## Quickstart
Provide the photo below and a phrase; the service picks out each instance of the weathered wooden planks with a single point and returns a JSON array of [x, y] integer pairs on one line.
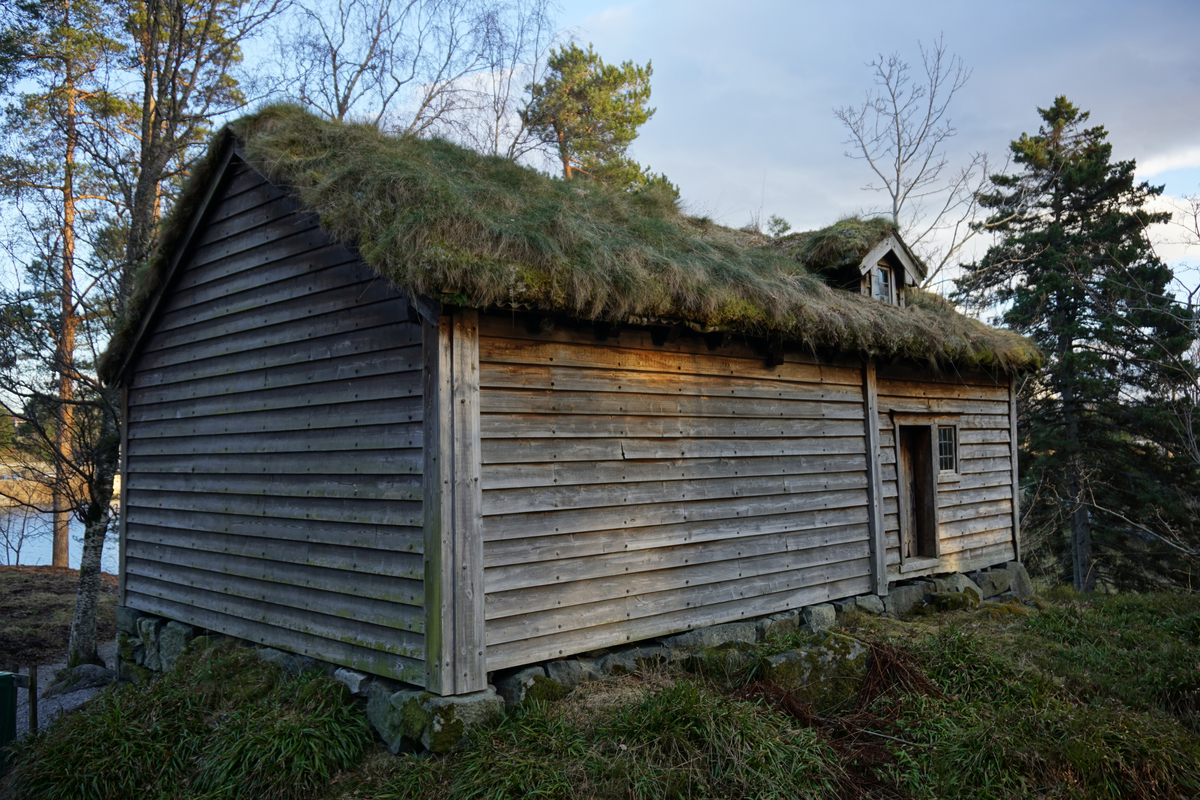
[[573, 473], [454, 539], [972, 501], [879, 581], [627, 482], [273, 484], [370, 660]]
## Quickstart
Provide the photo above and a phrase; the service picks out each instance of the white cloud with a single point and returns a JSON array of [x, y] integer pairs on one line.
[[1179, 159]]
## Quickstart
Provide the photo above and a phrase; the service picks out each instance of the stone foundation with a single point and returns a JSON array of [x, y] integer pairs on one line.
[[409, 718]]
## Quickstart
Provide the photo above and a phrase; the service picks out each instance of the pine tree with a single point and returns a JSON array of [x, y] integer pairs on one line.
[[1073, 269], [590, 112]]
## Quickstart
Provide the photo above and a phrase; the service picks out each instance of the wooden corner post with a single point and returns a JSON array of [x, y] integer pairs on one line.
[[878, 536], [454, 633], [1016, 478]]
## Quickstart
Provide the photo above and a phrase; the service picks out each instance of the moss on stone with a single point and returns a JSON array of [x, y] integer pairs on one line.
[[1001, 611], [730, 664], [544, 690], [444, 730], [414, 718], [132, 673], [125, 648], [827, 673], [953, 601]]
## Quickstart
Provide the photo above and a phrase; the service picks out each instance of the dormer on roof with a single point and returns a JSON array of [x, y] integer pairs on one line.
[[888, 268]]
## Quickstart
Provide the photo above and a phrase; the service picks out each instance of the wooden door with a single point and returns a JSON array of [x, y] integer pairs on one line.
[[918, 498]]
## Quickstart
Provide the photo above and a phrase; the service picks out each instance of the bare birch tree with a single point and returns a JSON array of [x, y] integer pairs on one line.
[[901, 130], [396, 64], [489, 118]]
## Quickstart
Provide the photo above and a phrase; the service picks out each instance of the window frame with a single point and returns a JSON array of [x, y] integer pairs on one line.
[[948, 475], [878, 270]]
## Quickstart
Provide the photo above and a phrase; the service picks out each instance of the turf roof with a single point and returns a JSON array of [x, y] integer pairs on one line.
[[484, 232]]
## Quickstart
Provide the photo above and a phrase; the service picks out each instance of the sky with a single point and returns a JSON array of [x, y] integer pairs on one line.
[[745, 91]]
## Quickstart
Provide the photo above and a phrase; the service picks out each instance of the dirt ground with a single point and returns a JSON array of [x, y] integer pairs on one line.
[[36, 605]]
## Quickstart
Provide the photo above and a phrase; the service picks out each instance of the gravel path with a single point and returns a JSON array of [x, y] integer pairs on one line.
[[51, 707]]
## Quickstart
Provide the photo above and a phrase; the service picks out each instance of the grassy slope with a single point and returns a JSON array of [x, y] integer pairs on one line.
[[36, 606], [1073, 699]]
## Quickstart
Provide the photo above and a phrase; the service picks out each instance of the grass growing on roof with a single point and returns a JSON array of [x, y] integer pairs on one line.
[[450, 222]]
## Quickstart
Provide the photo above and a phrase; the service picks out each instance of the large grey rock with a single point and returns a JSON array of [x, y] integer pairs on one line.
[[952, 601], [871, 604], [819, 617], [1018, 580], [409, 718], [844, 606], [777, 625], [513, 686], [902, 599], [293, 663], [631, 659], [357, 682], [173, 639], [570, 672], [148, 631], [993, 582], [127, 619], [85, 676], [728, 663], [129, 649], [713, 635], [957, 582], [827, 672]]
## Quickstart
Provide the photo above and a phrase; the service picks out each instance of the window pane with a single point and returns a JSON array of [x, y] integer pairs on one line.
[[946, 449], [883, 284]]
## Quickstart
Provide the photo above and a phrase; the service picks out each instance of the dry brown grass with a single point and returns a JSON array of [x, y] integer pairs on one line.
[[36, 604]]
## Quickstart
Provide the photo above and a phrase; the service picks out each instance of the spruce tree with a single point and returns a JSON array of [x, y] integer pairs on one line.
[[1073, 268], [590, 112]]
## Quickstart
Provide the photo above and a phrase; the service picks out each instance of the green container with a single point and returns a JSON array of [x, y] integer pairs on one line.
[[8, 716]]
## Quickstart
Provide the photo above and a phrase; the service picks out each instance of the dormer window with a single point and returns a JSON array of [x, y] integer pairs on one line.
[[884, 284]]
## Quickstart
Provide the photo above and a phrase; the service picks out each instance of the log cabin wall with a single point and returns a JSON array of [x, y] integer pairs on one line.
[[634, 489], [274, 483], [974, 502]]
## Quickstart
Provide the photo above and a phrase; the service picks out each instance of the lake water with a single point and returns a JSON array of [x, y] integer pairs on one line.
[[37, 546]]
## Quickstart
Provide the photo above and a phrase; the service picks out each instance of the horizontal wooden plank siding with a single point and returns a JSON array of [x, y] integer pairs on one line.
[[634, 489], [274, 486], [974, 507]]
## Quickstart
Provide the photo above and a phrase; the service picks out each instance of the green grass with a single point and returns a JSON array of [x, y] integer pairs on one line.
[[1077, 699], [222, 725]]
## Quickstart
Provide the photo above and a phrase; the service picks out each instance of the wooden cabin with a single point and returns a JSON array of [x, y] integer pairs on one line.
[[320, 459]]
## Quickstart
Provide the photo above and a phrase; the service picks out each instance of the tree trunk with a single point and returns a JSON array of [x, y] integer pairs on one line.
[[82, 647], [143, 214], [64, 361], [566, 157], [1083, 575]]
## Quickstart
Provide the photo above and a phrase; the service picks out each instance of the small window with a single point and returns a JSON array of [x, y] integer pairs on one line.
[[883, 284], [947, 451]]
